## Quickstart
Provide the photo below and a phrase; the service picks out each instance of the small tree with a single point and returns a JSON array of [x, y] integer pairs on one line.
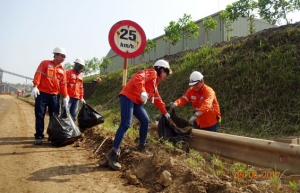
[[105, 62], [92, 66], [189, 28], [172, 34], [209, 24], [243, 8], [150, 45], [68, 66], [274, 10], [225, 17]]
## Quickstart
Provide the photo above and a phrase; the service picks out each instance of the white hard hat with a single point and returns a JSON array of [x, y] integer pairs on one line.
[[163, 63], [59, 50], [195, 77], [79, 61]]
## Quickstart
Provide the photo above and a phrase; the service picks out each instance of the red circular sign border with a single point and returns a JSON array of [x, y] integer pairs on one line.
[[114, 47]]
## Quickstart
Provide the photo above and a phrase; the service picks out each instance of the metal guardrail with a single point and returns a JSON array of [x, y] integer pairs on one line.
[[282, 156]]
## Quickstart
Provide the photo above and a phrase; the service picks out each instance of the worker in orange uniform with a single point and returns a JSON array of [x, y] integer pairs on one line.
[[49, 80], [18, 93], [204, 102], [141, 87], [75, 87], [97, 80], [23, 92]]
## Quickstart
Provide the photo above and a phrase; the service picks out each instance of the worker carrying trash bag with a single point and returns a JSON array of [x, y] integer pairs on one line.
[[49, 79], [75, 87], [204, 102]]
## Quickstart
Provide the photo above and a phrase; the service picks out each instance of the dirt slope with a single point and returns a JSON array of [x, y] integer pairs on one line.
[[25, 167]]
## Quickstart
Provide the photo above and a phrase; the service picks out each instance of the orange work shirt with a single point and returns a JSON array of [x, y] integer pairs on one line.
[[205, 101], [51, 78], [74, 84], [144, 81]]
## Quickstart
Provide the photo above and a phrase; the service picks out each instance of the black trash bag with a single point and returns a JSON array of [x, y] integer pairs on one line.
[[62, 131], [88, 117], [175, 129]]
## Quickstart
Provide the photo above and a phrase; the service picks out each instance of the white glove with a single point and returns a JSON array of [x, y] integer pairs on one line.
[[144, 97], [83, 101], [173, 105], [193, 118], [167, 115], [66, 101], [35, 91]]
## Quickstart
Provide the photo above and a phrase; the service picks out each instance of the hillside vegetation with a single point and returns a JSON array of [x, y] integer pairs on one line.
[[256, 79]]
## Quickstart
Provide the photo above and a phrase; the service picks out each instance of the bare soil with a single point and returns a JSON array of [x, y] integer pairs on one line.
[[25, 167]]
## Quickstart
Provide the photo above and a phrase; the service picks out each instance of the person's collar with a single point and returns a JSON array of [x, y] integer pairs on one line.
[[56, 63]]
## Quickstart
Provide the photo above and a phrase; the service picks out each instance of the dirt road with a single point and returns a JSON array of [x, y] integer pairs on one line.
[[25, 167]]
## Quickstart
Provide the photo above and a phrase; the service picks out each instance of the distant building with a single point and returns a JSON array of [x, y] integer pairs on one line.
[[240, 28], [7, 88]]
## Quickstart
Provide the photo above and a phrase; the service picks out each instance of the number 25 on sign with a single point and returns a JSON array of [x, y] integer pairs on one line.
[[127, 39]]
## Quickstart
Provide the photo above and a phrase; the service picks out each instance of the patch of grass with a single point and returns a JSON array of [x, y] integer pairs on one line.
[[218, 167], [169, 145], [195, 159], [275, 182], [293, 186], [238, 167], [238, 171], [151, 139], [132, 134]]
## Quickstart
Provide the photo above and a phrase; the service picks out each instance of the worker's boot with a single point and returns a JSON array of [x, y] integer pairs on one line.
[[113, 160], [38, 141], [143, 149]]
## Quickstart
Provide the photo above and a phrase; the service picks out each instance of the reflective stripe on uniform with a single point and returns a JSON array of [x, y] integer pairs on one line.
[[46, 74], [185, 98]]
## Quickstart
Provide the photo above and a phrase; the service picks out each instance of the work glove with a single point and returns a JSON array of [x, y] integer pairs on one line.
[[144, 97], [66, 101], [82, 100], [173, 105], [168, 116], [193, 118], [35, 91]]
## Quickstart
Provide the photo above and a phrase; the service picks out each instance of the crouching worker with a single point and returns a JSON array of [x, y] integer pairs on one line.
[[141, 87], [204, 102]]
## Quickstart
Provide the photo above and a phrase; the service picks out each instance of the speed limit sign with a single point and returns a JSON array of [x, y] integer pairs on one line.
[[127, 39]]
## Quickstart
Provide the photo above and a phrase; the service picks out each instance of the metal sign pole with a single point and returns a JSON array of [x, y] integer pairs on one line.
[[125, 72]]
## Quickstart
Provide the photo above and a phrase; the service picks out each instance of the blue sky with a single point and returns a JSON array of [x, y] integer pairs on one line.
[[31, 29]]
